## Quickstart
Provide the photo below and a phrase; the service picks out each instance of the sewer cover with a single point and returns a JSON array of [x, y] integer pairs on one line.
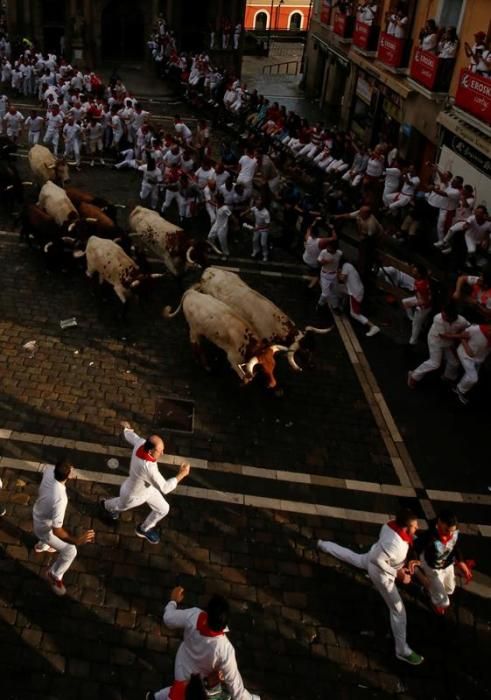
[[174, 414]]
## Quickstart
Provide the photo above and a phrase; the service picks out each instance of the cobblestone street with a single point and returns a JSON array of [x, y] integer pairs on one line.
[[270, 475]]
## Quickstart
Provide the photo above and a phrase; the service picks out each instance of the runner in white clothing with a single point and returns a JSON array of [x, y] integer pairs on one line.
[[329, 259], [205, 647], [33, 124], [476, 229], [386, 564], [48, 515], [54, 124], [72, 134], [352, 286], [219, 227], [13, 122], [145, 484]]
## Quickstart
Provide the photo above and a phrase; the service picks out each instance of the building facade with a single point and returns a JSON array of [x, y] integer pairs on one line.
[[278, 15], [93, 31], [383, 81]]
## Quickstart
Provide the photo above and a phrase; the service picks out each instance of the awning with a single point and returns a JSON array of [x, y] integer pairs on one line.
[[457, 126], [398, 85]]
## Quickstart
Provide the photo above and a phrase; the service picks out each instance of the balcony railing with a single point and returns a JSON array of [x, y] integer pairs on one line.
[[343, 25], [430, 71], [365, 36], [474, 95], [392, 51]]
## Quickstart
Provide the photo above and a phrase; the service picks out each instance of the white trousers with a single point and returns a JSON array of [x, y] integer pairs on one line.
[[442, 583], [162, 694], [72, 147], [328, 295], [260, 240], [33, 137], [384, 584], [396, 277], [220, 233], [471, 371], [151, 191], [66, 552], [434, 362], [417, 315], [129, 498], [52, 136], [397, 200]]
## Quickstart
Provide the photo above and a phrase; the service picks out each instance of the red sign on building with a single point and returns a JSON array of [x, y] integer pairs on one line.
[[340, 23], [390, 50], [361, 36], [474, 95], [424, 68], [325, 15]]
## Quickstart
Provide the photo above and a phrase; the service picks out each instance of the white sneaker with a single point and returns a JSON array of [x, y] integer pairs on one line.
[[373, 331], [439, 244], [91, 163], [56, 584], [40, 547], [103, 162], [446, 251]]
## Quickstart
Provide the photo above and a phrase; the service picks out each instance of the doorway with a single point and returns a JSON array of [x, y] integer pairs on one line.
[[122, 31]]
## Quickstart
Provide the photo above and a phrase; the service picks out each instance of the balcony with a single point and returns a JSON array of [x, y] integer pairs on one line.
[[393, 53], [365, 38], [343, 26], [474, 98], [430, 74]]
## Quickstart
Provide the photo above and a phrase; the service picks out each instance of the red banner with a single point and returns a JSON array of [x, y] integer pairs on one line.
[[424, 68], [390, 50], [474, 95], [325, 15], [361, 37], [340, 21]]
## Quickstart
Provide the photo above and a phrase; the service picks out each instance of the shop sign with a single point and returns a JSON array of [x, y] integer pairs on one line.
[[424, 68], [390, 50], [474, 95], [361, 37], [479, 160], [325, 15]]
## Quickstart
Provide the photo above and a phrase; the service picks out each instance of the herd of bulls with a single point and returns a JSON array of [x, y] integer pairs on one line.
[[68, 224]]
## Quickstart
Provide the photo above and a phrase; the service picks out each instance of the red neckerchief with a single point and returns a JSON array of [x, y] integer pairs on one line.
[[485, 329], [203, 629], [143, 454], [442, 537], [401, 532], [178, 690]]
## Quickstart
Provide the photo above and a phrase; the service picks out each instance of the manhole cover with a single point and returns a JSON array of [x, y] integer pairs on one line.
[[174, 414]]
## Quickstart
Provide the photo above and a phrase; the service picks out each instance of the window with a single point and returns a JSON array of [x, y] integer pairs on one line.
[[451, 13], [261, 21], [295, 21]]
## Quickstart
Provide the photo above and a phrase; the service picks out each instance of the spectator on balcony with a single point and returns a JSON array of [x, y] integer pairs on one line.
[[448, 44], [397, 23], [428, 36], [480, 55], [367, 12]]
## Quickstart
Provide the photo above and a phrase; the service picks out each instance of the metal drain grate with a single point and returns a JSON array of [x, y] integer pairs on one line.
[[174, 414]]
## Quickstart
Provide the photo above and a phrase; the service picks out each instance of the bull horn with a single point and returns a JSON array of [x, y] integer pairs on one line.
[[9, 187], [68, 239], [156, 275], [312, 329], [278, 348], [189, 259], [168, 313], [47, 246], [120, 206], [292, 362], [214, 248], [27, 183], [51, 167], [90, 219], [78, 253], [241, 370], [250, 365], [72, 226], [135, 283]]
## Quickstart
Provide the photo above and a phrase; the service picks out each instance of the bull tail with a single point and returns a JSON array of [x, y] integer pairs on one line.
[[322, 331], [168, 313]]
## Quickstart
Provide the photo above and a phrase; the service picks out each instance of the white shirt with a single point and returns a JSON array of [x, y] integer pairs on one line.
[[71, 132], [152, 177], [389, 553], [54, 121], [222, 216], [50, 506], [392, 180], [354, 285], [202, 654], [375, 167], [478, 343], [477, 231], [248, 167], [329, 261], [138, 119], [440, 326], [228, 195], [183, 131], [410, 186], [144, 473], [429, 42], [367, 13], [34, 124], [14, 121], [202, 176], [262, 218], [94, 133]]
